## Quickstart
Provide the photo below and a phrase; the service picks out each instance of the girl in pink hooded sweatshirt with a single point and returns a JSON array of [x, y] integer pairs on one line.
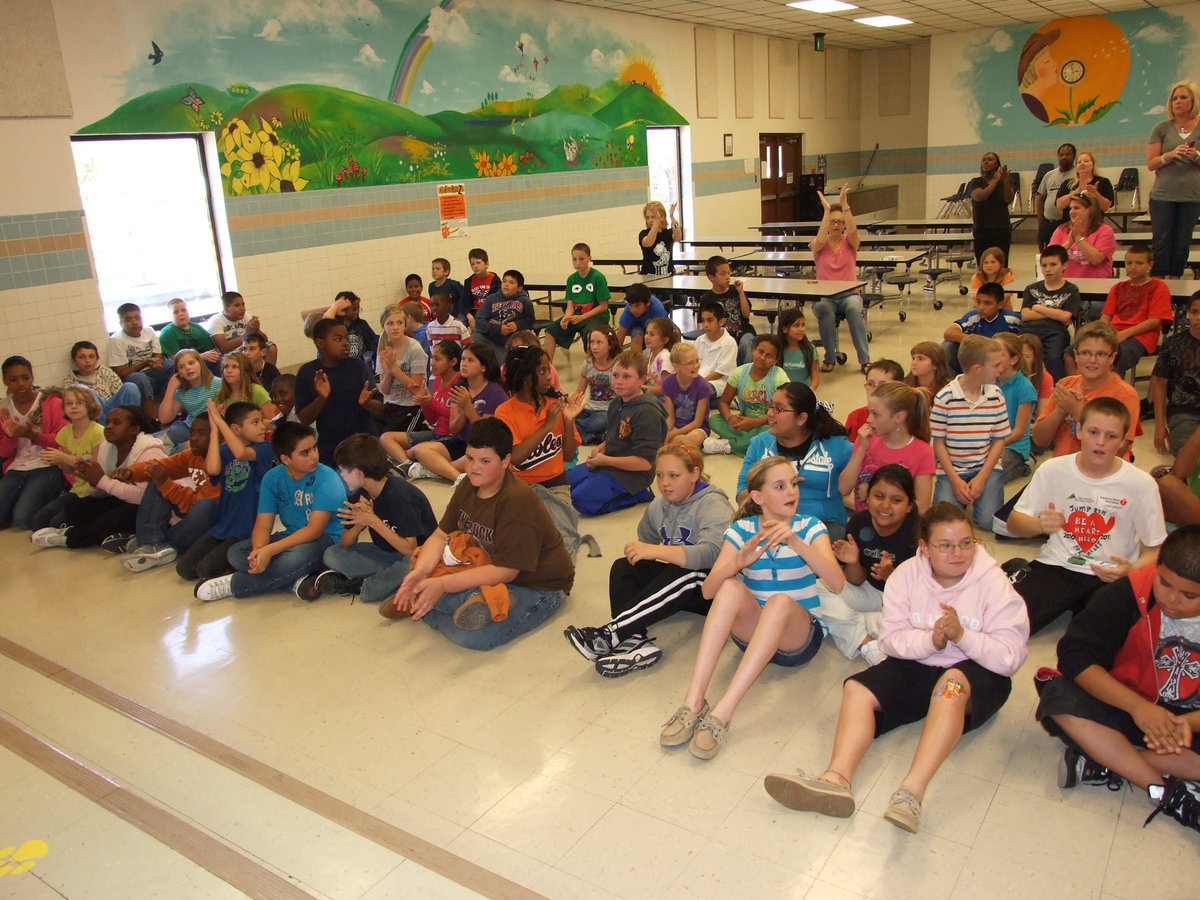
[[954, 631]]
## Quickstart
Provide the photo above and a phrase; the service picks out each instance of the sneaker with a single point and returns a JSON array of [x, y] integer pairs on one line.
[[592, 643], [459, 479], [1078, 768], [904, 810], [872, 653], [637, 652], [681, 726], [401, 468], [214, 589], [50, 537], [1180, 800], [149, 556], [708, 737], [474, 614], [416, 470], [119, 543], [808, 794], [714, 446]]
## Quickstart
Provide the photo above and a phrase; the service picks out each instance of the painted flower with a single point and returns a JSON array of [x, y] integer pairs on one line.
[[232, 134], [289, 177], [269, 141], [482, 164], [505, 165], [258, 162]]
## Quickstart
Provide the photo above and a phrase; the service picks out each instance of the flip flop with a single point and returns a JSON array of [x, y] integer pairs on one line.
[[826, 367]]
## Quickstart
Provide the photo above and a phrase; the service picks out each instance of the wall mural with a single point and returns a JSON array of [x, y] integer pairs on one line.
[[325, 94], [1077, 73]]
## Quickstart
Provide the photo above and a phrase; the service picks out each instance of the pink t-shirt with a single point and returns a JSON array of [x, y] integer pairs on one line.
[[1077, 265], [916, 456], [836, 265]]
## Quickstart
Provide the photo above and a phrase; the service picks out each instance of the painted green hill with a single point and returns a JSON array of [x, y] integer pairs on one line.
[[638, 104], [162, 110], [576, 98]]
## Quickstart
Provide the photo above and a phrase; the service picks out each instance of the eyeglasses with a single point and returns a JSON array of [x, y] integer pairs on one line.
[[1094, 354], [948, 546], [778, 410]]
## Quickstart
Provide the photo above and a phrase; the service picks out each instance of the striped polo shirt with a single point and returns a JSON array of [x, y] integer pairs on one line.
[[968, 427], [780, 571]]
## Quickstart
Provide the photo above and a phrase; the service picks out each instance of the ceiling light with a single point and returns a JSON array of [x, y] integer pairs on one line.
[[883, 21], [822, 6]]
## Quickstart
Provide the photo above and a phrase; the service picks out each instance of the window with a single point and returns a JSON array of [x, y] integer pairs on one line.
[[156, 230]]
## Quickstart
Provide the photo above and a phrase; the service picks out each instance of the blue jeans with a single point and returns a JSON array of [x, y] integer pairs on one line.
[[592, 425], [151, 383], [950, 348], [595, 492], [129, 394], [849, 307], [154, 518], [1172, 224], [987, 503], [178, 432], [283, 570], [501, 352], [381, 570], [746, 347], [527, 609], [24, 493]]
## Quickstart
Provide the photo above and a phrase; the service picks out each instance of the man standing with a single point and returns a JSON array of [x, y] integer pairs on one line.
[[1049, 216]]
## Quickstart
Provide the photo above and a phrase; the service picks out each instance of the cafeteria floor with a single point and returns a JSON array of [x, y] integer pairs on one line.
[[152, 745]]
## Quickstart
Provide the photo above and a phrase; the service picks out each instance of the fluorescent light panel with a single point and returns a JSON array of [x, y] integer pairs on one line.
[[822, 6], [883, 21]]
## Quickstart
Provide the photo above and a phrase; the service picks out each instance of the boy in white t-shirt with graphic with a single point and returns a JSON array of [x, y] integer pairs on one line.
[[1102, 515]]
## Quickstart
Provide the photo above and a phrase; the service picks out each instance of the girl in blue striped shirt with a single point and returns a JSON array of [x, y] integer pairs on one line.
[[764, 591]]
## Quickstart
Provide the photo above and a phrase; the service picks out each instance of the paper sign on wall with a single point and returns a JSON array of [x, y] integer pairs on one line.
[[452, 209]]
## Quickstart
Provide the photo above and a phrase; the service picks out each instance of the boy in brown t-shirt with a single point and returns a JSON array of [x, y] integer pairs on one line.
[[514, 528]]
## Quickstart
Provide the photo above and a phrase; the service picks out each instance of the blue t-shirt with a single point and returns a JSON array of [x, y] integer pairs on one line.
[[654, 310], [1018, 390], [294, 499], [819, 466], [1006, 320], [194, 400], [782, 571], [240, 484]]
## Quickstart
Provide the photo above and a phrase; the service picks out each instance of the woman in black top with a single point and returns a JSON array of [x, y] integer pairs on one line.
[[1086, 181], [991, 193]]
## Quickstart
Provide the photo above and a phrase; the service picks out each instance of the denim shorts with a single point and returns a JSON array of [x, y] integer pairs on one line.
[[799, 656]]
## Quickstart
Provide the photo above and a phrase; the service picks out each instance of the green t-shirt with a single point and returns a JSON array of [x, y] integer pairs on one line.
[[585, 293], [173, 339], [793, 365], [753, 396]]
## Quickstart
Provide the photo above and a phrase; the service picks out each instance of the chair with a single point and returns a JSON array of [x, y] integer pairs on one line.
[[1014, 178], [953, 203], [1037, 181], [1129, 181]]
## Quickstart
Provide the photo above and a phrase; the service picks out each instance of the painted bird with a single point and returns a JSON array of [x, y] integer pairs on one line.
[[157, 55]]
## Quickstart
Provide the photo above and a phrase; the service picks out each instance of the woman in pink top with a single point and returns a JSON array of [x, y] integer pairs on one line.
[[835, 254], [1090, 243]]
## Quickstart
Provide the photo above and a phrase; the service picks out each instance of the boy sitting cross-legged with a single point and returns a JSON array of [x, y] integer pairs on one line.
[[1126, 705], [620, 470], [396, 515], [1102, 516], [513, 528], [305, 495]]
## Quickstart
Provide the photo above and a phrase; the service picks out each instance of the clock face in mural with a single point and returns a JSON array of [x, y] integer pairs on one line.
[[1072, 71]]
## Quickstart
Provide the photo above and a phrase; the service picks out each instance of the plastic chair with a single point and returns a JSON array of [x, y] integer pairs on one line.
[[953, 202], [1129, 181], [1014, 178]]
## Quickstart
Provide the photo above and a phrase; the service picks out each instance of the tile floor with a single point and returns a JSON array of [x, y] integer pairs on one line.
[[522, 761]]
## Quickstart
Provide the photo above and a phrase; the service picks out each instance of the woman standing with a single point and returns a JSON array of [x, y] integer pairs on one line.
[[991, 193], [1086, 181], [1175, 198]]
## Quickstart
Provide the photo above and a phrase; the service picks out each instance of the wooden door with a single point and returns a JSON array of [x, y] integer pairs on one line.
[[780, 160]]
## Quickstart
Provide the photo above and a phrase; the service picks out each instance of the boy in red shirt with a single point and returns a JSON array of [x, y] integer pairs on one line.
[[1137, 307]]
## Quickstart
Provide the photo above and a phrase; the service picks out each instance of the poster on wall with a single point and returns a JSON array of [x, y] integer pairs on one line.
[[452, 209]]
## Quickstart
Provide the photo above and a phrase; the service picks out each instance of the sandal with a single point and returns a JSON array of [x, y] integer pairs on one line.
[[827, 367]]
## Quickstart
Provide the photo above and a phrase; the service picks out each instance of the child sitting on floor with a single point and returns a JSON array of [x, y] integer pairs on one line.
[[78, 439], [752, 385]]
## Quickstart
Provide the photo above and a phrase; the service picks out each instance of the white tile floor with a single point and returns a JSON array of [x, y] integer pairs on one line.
[[523, 760]]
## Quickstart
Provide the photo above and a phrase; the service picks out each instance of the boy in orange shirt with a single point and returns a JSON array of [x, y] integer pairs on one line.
[[1137, 307]]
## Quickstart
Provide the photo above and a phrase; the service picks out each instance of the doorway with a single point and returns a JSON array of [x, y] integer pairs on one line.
[[664, 160], [780, 156]]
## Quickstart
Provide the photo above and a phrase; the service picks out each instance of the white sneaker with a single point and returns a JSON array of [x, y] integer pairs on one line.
[[148, 556], [871, 652], [416, 470], [50, 537], [459, 479], [716, 445], [215, 588]]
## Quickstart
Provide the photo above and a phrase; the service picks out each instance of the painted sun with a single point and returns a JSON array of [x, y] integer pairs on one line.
[[640, 70]]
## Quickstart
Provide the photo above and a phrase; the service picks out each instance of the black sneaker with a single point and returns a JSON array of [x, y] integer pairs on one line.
[[592, 643], [637, 652], [331, 582], [1180, 800], [1015, 568], [121, 542], [306, 588], [1078, 768]]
